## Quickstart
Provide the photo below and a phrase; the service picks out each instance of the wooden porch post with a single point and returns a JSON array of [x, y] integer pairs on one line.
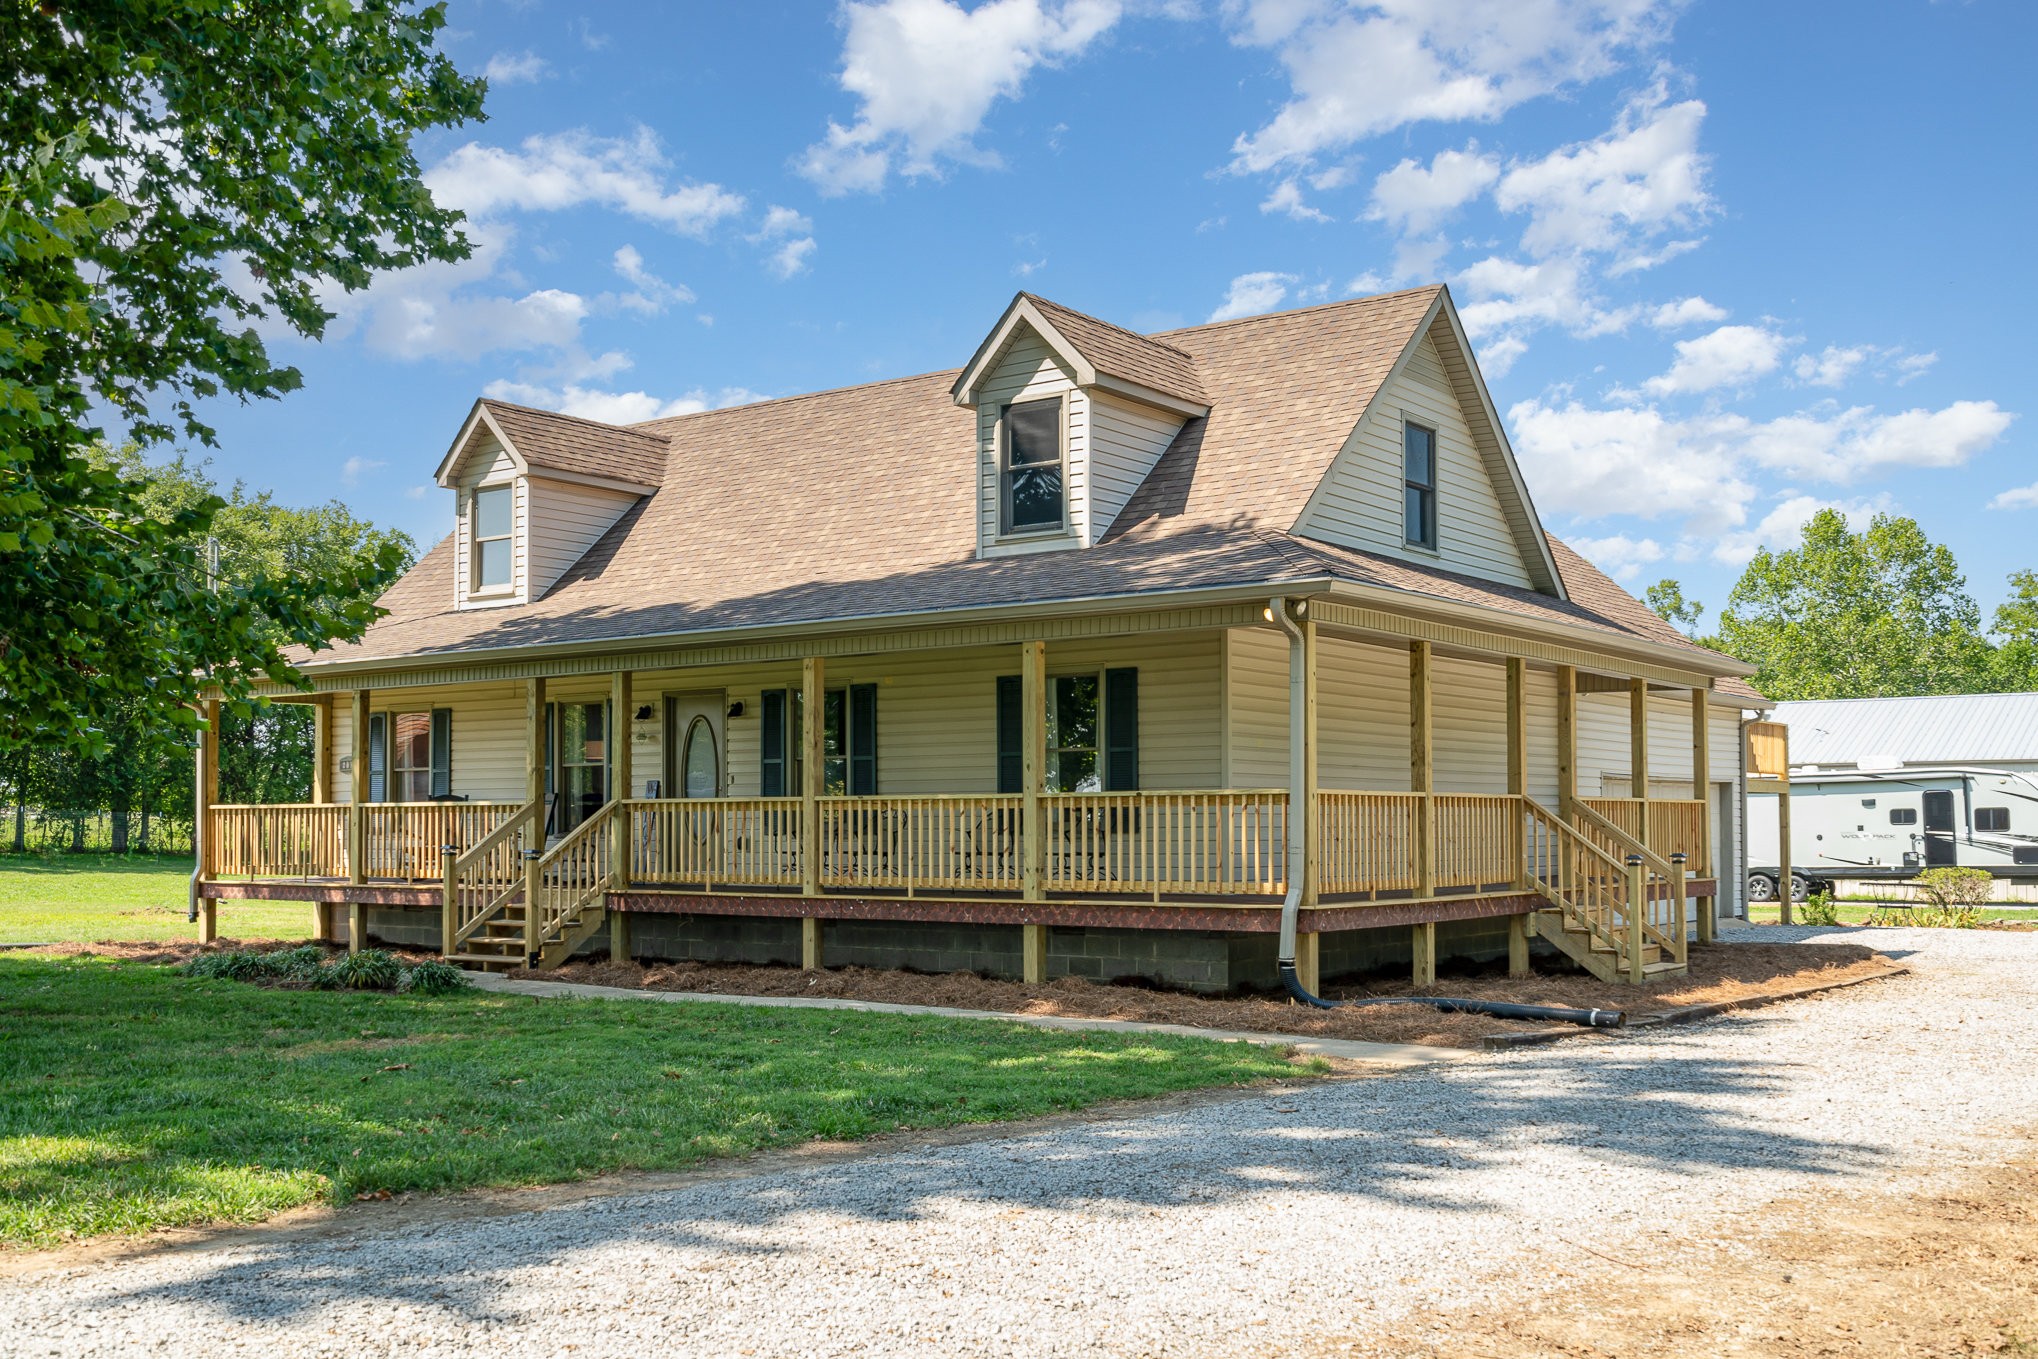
[[1701, 788], [1517, 787], [534, 747], [357, 792], [207, 833], [1638, 749], [1567, 739], [1422, 766], [1422, 779], [322, 748], [813, 770], [622, 709], [1033, 819]]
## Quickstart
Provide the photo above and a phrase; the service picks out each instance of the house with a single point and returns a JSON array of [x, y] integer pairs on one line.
[[1106, 654]]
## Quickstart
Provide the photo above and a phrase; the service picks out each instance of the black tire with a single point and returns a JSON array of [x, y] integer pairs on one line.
[[1761, 887], [1801, 887]]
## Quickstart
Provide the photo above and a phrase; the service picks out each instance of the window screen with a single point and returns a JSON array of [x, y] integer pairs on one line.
[[1033, 477], [1991, 818]]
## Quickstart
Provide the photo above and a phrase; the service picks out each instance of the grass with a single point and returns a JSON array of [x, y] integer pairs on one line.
[[1857, 912], [133, 1098], [82, 898]]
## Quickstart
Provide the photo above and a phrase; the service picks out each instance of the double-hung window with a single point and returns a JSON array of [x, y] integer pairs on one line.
[[1092, 734], [491, 529], [848, 742], [1419, 485], [410, 756], [1032, 482]]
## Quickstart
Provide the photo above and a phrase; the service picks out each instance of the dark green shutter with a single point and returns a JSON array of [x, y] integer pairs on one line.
[[442, 752], [863, 740], [771, 744], [1011, 735], [1121, 730], [378, 757]]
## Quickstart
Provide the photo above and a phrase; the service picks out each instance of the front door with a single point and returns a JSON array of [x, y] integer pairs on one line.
[[695, 760], [1940, 848]]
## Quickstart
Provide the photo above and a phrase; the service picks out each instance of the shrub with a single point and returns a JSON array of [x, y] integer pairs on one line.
[[372, 969], [432, 978], [1818, 909], [302, 963], [235, 965], [1957, 896]]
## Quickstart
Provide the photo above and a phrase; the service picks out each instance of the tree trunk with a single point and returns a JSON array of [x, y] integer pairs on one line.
[[120, 820], [77, 835], [142, 840]]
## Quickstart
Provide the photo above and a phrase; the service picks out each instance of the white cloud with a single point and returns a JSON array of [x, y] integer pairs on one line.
[[419, 326], [1287, 198], [353, 469], [553, 172], [791, 258], [1620, 556], [515, 68], [1589, 463], [1509, 295], [617, 408], [1831, 367], [1728, 356], [1686, 311], [2016, 498], [1251, 294], [1357, 70], [927, 73], [782, 221], [1607, 195], [1412, 198], [651, 294], [1783, 526], [1914, 366]]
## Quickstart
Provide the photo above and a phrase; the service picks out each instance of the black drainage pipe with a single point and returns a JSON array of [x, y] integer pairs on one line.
[[1498, 1009]]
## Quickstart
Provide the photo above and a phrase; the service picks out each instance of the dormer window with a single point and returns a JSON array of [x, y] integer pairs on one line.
[[492, 529], [1034, 494]]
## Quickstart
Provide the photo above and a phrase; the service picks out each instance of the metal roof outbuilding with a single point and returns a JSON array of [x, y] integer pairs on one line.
[[1988, 729]]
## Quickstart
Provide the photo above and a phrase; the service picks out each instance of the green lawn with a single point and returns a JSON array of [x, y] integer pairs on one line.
[[76, 898], [132, 1097], [1857, 913]]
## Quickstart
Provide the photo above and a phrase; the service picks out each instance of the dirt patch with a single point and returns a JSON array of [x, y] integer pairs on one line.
[[163, 952], [1719, 972], [1897, 1273]]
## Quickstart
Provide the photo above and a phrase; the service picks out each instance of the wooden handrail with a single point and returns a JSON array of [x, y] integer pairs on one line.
[[469, 858], [1654, 862]]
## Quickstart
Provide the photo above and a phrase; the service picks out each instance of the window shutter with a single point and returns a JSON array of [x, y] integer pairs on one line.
[[863, 740], [1011, 735], [378, 757], [771, 744], [1121, 730], [442, 752]]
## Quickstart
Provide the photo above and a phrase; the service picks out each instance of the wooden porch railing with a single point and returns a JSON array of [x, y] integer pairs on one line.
[[1593, 889], [1659, 910], [568, 878], [1223, 843], [406, 839], [1478, 837], [484, 878], [921, 843], [1673, 825], [281, 840], [712, 843], [1369, 842]]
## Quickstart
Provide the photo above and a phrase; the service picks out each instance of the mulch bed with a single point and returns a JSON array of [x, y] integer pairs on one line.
[[1719, 972]]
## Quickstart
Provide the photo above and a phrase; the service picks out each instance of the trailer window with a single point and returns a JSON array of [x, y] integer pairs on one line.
[[1903, 816], [1991, 818]]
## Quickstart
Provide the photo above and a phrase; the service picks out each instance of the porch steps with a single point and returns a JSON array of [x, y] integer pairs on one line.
[[1596, 955], [499, 943]]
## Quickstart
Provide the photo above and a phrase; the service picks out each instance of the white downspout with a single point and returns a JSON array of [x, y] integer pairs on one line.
[[1298, 815]]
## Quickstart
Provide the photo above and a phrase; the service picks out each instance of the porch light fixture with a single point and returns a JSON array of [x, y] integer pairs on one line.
[[1268, 613], [736, 708], [644, 712]]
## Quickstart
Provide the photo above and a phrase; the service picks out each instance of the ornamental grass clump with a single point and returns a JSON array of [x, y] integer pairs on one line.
[[432, 978], [372, 969], [306, 967]]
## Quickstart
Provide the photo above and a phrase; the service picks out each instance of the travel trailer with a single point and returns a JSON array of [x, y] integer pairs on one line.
[[1858, 823]]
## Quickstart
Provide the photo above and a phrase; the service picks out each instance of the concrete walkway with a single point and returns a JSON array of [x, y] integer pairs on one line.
[[1344, 1049]]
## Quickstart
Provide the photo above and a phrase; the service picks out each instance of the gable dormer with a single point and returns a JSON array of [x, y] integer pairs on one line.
[[532, 492], [1427, 474], [1072, 413]]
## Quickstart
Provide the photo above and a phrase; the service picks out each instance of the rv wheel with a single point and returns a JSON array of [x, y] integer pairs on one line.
[[1761, 887], [1800, 887]]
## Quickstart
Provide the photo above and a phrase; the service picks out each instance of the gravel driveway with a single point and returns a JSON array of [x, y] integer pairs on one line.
[[1256, 1226]]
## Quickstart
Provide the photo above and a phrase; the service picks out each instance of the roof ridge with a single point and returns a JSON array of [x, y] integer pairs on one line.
[[1298, 311], [563, 415], [796, 396], [1109, 325]]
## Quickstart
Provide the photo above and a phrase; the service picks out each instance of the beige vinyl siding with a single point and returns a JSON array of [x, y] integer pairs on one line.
[[488, 737], [1027, 371], [489, 463], [1359, 503], [565, 520], [1126, 440]]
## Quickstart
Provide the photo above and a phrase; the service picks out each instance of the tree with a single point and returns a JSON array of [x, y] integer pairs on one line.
[[177, 169], [1878, 613], [1666, 598], [2015, 629]]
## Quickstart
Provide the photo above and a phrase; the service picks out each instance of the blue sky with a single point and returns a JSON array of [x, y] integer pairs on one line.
[[1724, 263]]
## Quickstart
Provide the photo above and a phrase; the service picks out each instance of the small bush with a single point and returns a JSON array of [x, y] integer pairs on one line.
[[302, 963], [372, 969], [1818, 909], [432, 978], [235, 965], [1957, 896]]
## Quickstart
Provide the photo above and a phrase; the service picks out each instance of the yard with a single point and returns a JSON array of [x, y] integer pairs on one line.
[[132, 1097], [76, 898]]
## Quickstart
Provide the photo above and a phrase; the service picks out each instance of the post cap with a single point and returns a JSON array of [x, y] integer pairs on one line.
[[1678, 857], [449, 849], [1634, 861], [534, 853]]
